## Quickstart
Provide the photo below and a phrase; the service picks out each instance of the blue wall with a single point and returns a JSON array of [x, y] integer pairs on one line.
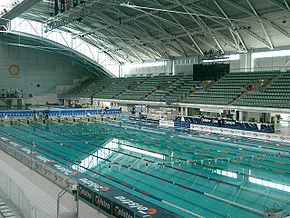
[[224, 123]]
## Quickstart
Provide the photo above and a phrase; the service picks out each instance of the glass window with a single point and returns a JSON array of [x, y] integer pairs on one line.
[[67, 39]]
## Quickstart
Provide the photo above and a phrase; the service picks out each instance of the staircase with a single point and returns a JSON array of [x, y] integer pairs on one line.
[[243, 93], [269, 83]]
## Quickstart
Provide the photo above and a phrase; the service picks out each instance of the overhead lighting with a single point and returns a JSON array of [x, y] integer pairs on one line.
[[141, 151]]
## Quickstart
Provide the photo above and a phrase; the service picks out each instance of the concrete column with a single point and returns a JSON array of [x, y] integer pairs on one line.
[[185, 111], [19, 103], [235, 116], [181, 111], [246, 61], [246, 116], [268, 118], [172, 70], [240, 115], [120, 69], [9, 103]]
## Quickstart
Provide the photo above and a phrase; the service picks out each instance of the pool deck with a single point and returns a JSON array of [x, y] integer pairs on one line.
[[284, 128], [41, 192]]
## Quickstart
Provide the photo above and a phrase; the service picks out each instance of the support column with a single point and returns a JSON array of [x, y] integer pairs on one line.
[[246, 116], [268, 118], [240, 115], [120, 69], [172, 70], [9, 103], [181, 111], [235, 116], [185, 111], [19, 103], [246, 61]]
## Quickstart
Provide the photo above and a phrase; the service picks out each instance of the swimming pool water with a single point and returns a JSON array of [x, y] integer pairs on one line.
[[206, 174]]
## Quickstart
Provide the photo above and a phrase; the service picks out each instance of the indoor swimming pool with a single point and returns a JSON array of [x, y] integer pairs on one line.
[[190, 173]]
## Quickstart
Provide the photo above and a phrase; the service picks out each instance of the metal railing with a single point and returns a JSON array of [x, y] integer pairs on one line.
[[16, 195]]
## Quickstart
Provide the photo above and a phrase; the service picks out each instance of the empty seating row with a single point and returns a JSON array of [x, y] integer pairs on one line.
[[146, 88], [228, 88], [277, 94]]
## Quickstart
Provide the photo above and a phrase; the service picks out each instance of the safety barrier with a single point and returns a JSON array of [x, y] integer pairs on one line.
[[166, 123], [182, 122], [59, 112], [146, 121], [22, 121], [13, 192], [259, 135]]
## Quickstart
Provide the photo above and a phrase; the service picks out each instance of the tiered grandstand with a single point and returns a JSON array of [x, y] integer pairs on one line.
[[270, 89], [276, 94], [228, 88]]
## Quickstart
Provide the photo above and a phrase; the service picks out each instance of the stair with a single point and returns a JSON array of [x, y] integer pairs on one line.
[[277, 77], [243, 93], [4, 100], [6, 211]]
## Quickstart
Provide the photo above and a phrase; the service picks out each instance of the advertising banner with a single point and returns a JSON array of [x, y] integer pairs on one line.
[[225, 123]]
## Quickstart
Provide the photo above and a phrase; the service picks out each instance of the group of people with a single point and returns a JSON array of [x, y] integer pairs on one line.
[[249, 87], [253, 85], [13, 93], [43, 115]]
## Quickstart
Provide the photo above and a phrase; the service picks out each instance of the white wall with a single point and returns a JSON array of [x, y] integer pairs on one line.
[[42, 99], [36, 67], [275, 63], [147, 68], [248, 61], [185, 65], [167, 67]]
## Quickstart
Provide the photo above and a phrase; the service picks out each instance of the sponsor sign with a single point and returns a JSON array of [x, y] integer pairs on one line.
[[121, 212], [86, 193], [102, 202], [145, 211], [93, 185], [225, 123], [120, 203]]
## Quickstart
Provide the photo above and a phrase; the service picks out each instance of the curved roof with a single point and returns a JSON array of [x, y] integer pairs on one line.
[[35, 42], [140, 30]]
